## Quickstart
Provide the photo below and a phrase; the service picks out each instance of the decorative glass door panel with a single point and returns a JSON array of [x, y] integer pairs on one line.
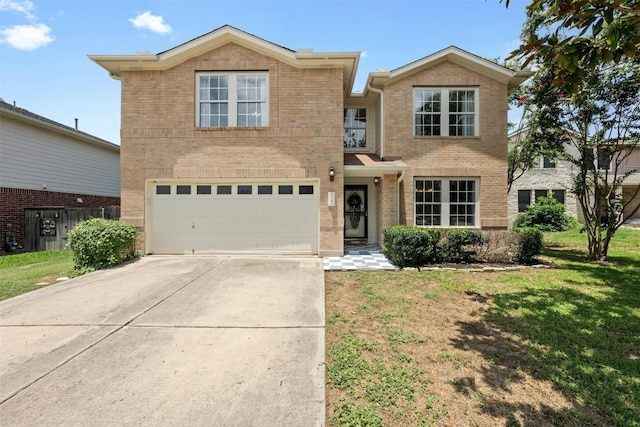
[[355, 211]]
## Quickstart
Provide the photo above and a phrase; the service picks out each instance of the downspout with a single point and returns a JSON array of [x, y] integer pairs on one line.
[[382, 144], [381, 119]]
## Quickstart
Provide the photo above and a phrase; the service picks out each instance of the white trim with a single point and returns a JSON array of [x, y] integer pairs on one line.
[[367, 146], [232, 100], [444, 110], [445, 202]]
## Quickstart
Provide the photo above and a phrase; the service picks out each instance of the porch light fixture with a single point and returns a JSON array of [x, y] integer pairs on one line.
[[376, 181], [332, 173]]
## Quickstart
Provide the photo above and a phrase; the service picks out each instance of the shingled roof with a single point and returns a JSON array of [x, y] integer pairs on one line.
[[27, 115]]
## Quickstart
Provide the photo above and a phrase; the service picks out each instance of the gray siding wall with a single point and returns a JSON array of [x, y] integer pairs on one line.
[[33, 158]]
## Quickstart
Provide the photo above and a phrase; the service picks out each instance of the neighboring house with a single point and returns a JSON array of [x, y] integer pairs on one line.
[[557, 177], [547, 176], [48, 166], [629, 162], [231, 143]]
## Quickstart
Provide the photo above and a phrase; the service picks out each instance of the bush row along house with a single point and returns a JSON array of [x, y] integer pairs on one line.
[[233, 144], [50, 168]]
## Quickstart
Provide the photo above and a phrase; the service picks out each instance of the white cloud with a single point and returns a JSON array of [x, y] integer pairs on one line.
[[147, 21], [24, 7], [27, 37]]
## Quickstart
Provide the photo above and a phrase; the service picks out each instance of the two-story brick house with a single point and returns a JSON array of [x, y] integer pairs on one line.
[[231, 143]]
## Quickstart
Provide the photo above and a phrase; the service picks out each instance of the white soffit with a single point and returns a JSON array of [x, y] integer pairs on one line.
[[304, 58]]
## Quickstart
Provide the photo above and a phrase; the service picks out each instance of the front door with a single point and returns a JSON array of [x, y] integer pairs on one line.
[[355, 211]]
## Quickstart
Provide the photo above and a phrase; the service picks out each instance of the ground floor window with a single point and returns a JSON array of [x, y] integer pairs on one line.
[[446, 202], [524, 197]]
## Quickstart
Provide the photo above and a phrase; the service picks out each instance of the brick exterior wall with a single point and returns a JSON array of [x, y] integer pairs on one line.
[[13, 202], [304, 137], [483, 157]]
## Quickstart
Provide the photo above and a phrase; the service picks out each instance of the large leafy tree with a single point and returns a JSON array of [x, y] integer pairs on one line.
[[598, 123], [573, 37]]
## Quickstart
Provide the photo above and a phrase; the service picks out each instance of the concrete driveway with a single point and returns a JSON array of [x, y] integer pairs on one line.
[[175, 340]]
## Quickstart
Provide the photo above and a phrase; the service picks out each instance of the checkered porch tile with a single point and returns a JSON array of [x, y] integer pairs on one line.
[[359, 258]]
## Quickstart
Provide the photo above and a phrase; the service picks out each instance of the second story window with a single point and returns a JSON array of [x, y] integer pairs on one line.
[[548, 163], [445, 111], [603, 160], [232, 100], [355, 128]]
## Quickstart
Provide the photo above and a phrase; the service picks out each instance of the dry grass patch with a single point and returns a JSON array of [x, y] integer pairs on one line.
[[533, 347]]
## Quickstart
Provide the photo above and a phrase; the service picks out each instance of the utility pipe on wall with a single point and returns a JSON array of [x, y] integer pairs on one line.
[[381, 119]]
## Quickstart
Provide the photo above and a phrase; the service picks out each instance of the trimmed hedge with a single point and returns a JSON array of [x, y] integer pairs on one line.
[[100, 243], [530, 245], [411, 246], [451, 246], [408, 246]]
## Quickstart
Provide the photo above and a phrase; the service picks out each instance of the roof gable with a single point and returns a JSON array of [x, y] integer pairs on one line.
[[303, 58], [457, 56]]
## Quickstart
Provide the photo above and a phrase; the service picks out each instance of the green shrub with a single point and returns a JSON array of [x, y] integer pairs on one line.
[[408, 246], [546, 214], [529, 245], [100, 243], [411, 246], [451, 247]]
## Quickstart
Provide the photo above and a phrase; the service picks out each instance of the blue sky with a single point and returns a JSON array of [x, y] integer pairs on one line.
[[44, 43]]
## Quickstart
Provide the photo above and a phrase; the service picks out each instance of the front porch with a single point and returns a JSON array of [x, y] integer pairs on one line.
[[369, 257], [371, 197]]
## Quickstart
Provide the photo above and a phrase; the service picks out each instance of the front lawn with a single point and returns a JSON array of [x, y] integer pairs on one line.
[[557, 346], [20, 273]]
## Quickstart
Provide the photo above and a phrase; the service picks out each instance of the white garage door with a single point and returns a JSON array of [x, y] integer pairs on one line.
[[234, 217]]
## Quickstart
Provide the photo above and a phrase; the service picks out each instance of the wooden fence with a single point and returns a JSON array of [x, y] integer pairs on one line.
[[46, 228]]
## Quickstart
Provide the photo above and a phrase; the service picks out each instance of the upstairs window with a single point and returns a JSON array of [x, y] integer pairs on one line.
[[548, 163], [445, 111], [232, 100], [355, 128], [603, 160]]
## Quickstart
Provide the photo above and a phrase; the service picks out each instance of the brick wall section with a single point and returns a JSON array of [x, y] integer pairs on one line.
[[304, 137], [483, 157], [13, 202], [388, 202]]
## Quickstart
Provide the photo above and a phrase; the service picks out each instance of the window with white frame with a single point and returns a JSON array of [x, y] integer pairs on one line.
[[446, 202], [445, 111], [232, 100], [355, 128]]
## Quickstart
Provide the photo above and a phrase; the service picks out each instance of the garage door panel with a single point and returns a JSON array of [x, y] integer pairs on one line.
[[213, 223]]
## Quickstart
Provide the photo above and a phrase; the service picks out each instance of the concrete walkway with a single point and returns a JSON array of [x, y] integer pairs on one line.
[[212, 341]]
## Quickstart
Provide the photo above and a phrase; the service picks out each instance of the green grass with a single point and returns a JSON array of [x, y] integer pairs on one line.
[[575, 326], [379, 378], [19, 273]]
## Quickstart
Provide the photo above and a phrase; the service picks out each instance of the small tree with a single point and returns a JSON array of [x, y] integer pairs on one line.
[[601, 124]]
